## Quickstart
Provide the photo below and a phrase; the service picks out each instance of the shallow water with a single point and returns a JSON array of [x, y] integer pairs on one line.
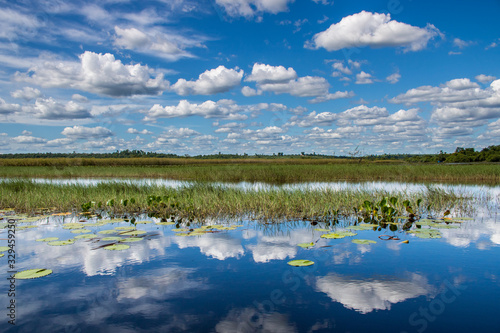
[[239, 280]]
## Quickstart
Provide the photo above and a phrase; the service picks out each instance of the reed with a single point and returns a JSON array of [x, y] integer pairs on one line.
[[204, 200], [275, 172]]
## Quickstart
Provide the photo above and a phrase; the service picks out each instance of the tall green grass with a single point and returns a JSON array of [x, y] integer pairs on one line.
[[203, 200], [275, 173]]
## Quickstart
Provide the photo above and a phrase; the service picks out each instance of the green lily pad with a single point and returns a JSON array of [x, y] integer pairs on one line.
[[115, 238], [1, 255], [143, 222], [30, 219], [86, 236], [426, 233], [117, 247], [32, 273], [111, 221], [443, 226], [48, 239], [81, 231], [305, 245], [166, 223], [62, 243], [96, 224], [4, 248], [180, 230], [363, 226], [363, 241], [134, 233], [125, 228], [401, 217], [73, 227], [322, 229], [24, 227], [297, 263], [131, 239], [108, 232]]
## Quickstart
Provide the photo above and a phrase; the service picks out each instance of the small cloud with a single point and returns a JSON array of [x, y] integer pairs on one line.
[[27, 93], [394, 78], [364, 78], [134, 131], [461, 44], [454, 53], [485, 78]]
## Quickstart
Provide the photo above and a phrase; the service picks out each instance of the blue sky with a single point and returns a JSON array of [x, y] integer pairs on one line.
[[249, 76]]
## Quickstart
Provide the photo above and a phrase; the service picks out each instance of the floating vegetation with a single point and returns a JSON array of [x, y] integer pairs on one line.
[[133, 233], [1, 255], [4, 248], [322, 229], [62, 243], [306, 245], [131, 239], [73, 227], [48, 239], [24, 227], [363, 241], [180, 230], [32, 273], [125, 228], [143, 222], [166, 223], [86, 236], [426, 233], [338, 234], [300, 262], [363, 226], [117, 247], [108, 232], [81, 231], [114, 239]]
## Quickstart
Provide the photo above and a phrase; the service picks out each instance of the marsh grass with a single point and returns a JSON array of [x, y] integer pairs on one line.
[[276, 172], [201, 201]]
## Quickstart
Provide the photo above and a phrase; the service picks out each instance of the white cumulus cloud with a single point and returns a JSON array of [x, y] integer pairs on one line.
[[97, 73], [252, 8], [374, 30], [27, 93], [82, 132], [214, 81]]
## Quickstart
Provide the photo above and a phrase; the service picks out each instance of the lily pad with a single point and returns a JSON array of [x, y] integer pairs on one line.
[[363, 226], [4, 248], [113, 238], [73, 227], [48, 239], [1, 255], [81, 231], [322, 229], [134, 233], [363, 241], [32, 273], [426, 233], [125, 228], [62, 243], [298, 263], [143, 222], [180, 230], [117, 247], [24, 227], [96, 224], [86, 236], [166, 223], [131, 239], [108, 232], [306, 245]]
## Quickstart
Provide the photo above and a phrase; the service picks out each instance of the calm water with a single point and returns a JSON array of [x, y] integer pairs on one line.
[[239, 280]]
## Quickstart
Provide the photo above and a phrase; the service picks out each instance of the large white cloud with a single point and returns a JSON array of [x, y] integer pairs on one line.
[[262, 73], [457, 102], [214, 81], [223, 109], [27, 93], [7, 108], [48, 108], [251, 8], [374, 30], [82, 132], [97, 73]]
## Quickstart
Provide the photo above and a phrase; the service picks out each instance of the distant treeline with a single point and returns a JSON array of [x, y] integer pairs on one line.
[[461, 155]]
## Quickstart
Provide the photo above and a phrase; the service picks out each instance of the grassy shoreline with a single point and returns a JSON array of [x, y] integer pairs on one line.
[[203, 201], [271, 172]]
